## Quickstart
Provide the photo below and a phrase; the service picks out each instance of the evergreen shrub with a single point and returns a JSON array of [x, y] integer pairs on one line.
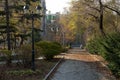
[[49, 49], [7, 55], [109, 48]]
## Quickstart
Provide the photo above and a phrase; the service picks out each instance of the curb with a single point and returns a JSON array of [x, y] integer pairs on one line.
[[47, 76]]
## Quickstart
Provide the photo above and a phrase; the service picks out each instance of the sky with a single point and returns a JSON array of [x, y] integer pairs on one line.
[[56, 5]]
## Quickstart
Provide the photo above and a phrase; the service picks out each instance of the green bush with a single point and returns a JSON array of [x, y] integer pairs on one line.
[[109, 48], [64, 49], [7, 55], [49, 49], [112, 48], [2, 58], [24, 54], [93, 46]]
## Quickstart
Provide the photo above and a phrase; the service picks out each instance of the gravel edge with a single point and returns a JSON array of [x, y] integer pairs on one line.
[[53, 69]]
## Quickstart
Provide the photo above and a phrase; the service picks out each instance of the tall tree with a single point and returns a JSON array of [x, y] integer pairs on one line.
[[92, 17], [18, 20]]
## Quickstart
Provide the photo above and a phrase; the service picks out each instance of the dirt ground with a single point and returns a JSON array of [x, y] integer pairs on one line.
[[15, 72]]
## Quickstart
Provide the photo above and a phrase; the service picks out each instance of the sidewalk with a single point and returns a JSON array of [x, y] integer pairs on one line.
[[79, 65]]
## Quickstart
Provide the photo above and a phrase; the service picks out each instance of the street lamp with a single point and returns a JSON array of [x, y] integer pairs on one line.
[[32, 15], [7, 23], [55, 29]]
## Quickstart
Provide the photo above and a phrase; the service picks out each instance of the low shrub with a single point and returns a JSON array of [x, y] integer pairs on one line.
[[24, 54], [93, 46], [64, 49], [112, 52], [49, 49], [109, 48], [7, 55], [2, 58]]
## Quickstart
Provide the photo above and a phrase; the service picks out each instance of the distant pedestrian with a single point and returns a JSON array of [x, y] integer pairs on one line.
[[81, 46], [70, 45]]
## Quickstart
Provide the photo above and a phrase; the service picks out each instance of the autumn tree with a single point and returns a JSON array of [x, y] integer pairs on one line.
[[91, 18]]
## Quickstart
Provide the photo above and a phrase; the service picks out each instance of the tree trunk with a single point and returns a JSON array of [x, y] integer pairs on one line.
[[101, 19]]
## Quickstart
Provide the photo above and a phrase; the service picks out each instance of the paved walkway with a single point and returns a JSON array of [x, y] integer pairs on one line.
[[77, 66]]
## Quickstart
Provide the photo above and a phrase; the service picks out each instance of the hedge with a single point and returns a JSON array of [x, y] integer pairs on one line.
[[109, 48], [49, 49]]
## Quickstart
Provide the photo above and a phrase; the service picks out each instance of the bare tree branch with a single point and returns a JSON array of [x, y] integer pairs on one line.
[[92, 7], [96, 17], [118, 12]]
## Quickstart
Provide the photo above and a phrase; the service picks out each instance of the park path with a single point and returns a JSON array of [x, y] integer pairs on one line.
[[80, 65]]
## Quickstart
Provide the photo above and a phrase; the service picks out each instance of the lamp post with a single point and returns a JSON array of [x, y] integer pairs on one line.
[[7, 24], [55, 30], [63, 38], [33, 49]]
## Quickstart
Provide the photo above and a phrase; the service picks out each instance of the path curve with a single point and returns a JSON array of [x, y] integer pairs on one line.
[[77, 69]]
